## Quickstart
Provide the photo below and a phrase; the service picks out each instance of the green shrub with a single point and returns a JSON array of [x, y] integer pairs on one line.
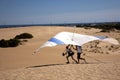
[[9, 43], [105, 30], [15, 41], [4, 43], [87, 27], [24, 36]]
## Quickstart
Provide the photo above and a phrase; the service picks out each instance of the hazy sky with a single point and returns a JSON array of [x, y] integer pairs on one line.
[[58, 11]]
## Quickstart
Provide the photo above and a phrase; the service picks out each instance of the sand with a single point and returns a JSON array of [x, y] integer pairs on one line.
[[48, 64]]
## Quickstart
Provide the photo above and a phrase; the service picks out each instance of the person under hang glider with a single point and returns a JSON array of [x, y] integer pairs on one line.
[[65, 38], [79, 52], [69, 53]]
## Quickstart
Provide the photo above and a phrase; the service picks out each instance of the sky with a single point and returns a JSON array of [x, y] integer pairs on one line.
[[58, 11]]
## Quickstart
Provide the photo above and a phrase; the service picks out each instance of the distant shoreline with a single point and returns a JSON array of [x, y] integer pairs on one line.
[[58, 24]]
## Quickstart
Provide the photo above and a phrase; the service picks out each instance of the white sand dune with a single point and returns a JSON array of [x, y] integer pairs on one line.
[[19, 64]]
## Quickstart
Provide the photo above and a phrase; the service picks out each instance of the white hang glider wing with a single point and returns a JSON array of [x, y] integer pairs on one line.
[[75, 39]]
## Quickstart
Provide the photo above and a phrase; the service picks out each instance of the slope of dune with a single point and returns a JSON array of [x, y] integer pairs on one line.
[[18, 63], [98, 71]]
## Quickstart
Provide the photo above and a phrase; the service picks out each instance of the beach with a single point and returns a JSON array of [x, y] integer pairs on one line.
[[18, 63]]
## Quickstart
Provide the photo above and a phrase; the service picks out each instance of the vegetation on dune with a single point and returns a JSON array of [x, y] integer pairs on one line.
[[96, 47], [24, 36], [105, 27], [9, 43], [15, 41]]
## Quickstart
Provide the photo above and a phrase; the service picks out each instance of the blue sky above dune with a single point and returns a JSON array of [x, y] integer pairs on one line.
[[58, 11]]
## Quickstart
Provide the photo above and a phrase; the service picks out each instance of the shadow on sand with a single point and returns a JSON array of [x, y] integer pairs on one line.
[[44, 65]]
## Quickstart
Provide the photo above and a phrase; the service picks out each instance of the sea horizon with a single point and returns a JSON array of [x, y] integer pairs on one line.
[[54, 24]]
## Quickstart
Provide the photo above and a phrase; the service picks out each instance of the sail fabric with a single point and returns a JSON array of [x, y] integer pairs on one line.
[[75, 39]]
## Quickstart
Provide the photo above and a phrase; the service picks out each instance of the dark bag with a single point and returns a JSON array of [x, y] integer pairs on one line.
[[70, 52]]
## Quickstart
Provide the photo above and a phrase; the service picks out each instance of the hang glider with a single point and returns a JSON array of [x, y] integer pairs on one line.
[[74, 39]]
